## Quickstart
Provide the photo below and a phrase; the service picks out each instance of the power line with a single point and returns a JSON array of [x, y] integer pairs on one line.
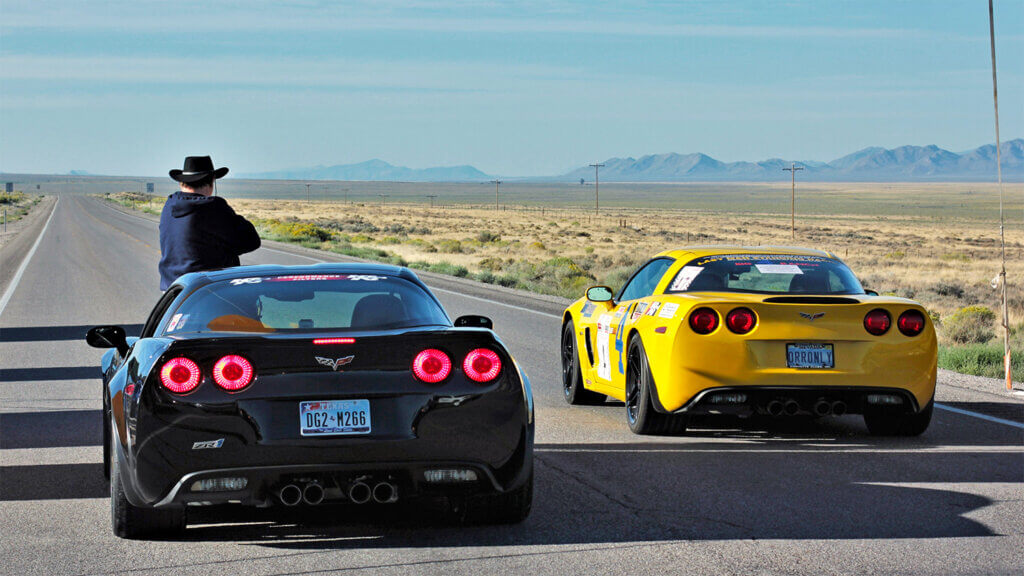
[[793, 168], [597, 186]]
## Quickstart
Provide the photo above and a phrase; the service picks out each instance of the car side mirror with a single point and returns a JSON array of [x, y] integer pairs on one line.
[[474, 321], [870, 292], [600, 294], [108, 337]]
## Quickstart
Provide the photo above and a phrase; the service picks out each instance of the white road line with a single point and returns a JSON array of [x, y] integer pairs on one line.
[[24, 262], [980, 416]]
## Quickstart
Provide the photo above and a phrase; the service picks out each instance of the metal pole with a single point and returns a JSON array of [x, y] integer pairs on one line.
[[792, 198], [496, 183], [307, 193], [1002, 232], [597, 187], [431, 196]]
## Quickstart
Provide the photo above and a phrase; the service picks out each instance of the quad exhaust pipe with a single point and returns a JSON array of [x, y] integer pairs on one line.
[[360, 493], [839, 408], [290, 495], [822, 407], [791, 407], [385, 493], [774, 408], [313, 494]]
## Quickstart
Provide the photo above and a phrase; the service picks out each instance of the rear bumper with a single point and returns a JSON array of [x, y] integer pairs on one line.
[[757, 399]]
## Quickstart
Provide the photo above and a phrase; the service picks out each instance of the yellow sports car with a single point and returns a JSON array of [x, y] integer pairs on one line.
[[739, 330]]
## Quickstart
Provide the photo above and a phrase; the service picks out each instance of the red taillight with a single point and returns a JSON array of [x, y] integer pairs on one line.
[[319, 341], [431, 366], [704, 320], [911, 322], [877, 322], [232, 373], [180, 375], [482, 365], [741, 320]]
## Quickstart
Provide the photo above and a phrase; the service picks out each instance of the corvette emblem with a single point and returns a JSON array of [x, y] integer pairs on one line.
[[335, 364], [812, 317]]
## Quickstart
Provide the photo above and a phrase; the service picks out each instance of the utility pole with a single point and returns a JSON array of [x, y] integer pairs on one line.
[[307, 193], [384, 199], [597, 186], [431, 196], [1005, 321], [793, 168], [496, 183], [345, 190]]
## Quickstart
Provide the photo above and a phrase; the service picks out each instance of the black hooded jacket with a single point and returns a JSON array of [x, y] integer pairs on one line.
[[201, 233]]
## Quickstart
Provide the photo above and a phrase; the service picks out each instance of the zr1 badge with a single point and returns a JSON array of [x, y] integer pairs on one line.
[[206, 444]]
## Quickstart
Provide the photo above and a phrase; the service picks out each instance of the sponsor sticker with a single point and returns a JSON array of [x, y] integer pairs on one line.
[[779, 269], [173, 325], [240, 281], [668, 310], [639, 311], [685, 278], [653, 309], [588, 309]]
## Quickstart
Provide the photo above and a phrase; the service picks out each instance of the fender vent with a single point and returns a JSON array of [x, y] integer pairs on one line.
[[811, 300], [590, 350]]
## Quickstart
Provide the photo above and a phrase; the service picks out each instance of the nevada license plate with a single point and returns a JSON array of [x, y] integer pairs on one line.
[[334, 417], [809, 356]]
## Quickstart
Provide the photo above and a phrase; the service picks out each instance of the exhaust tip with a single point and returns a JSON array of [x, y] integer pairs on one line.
[[385, 493], [774, 408], [360, 493], [822, 407], [839, 408], [290, 495], [313, 494], [792, 407]]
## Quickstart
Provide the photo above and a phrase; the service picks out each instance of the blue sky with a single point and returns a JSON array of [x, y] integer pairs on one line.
[[513, 88]]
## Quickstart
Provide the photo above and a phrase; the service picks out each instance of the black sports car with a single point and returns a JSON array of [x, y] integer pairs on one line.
[[284, 385]]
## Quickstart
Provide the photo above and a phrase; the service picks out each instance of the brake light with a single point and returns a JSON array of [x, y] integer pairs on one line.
[[911, 322], [431, 366], [704, 320], [741, 320], [482, 365], [232, 373], [180, 375], [319, 341], [877, 322]]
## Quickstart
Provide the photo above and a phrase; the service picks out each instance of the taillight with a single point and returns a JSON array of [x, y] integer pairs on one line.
[[911, 322], [180, 375], [704, 320], [322, 341], [482, 365], [431, 366], [741, 320], [877, 322], [232, 373]]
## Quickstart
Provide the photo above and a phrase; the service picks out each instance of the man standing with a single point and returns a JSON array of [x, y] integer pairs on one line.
[[199, 231]]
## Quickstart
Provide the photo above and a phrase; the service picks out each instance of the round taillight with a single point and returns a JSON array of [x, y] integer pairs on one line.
[[232, 373], [911, 322], [704, 320], [482, 365], [877, 322], [431, 366], [741, 320], [180, 375]]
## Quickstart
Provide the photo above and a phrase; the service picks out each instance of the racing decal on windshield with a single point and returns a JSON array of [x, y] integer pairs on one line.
[[778, 269], [309, 277], [747, 258], [604, 336], [668, 310], [685, 278], [653, 309], [240, 281]]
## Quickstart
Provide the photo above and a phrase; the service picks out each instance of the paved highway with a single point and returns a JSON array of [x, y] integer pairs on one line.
[[821, 498]]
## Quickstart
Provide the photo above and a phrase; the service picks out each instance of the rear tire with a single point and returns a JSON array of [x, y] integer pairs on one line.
[[133, 522], [572, 377], [882, 422], [508, 508], [640, 413]]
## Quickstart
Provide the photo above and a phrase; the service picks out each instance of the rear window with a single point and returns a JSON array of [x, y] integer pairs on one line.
[[322, 302], [766, 274]]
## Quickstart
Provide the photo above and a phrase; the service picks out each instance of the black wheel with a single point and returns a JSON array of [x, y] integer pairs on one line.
[[888, 422], [133, 522], [640, 412], [572, 376], [509, 508]]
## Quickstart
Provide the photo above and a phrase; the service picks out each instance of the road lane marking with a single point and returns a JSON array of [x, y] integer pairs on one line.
[[24, 263], [980, 416]]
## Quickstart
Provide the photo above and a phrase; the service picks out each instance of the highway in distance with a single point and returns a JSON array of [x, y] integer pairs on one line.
[[815, 498]]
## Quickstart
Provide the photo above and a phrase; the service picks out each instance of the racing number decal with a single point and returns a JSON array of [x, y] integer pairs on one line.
[[605, 331]]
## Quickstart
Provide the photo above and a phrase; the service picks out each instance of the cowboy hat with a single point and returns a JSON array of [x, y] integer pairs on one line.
[[196, 168]]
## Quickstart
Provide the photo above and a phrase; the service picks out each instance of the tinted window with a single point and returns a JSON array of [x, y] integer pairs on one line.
[[327, 302], [645, 280], [766, 274]]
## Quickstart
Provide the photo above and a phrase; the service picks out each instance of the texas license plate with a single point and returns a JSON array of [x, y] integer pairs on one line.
[[334, 417], [809, 356]]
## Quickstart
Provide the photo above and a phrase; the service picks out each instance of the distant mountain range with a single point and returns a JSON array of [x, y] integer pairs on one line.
[[906, 163], [375, 170]]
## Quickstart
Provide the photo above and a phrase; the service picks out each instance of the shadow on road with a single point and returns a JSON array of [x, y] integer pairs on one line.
[[42, 333], [63, 373]]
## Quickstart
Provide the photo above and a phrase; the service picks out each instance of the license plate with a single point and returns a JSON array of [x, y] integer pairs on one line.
[[809, 356], [334, 417]]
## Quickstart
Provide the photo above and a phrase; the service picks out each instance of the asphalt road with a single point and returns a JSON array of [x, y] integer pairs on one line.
[[819, 498]]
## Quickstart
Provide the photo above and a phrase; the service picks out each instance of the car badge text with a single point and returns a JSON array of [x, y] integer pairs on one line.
[[208, 444], [335, 364], [812, 317]]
